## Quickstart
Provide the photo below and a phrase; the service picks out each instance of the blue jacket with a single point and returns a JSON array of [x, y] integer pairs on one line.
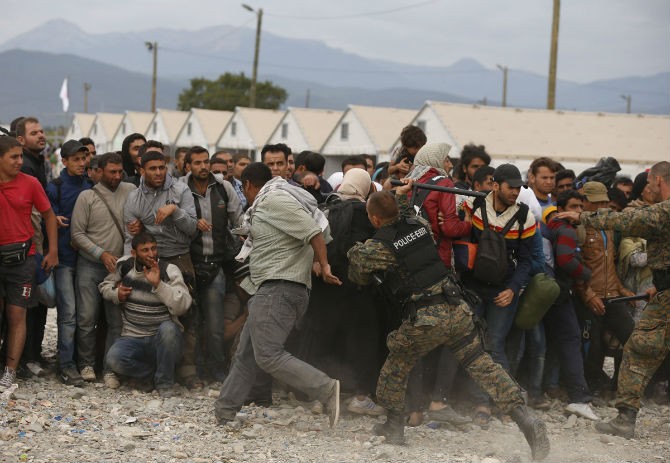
[[63, 204]]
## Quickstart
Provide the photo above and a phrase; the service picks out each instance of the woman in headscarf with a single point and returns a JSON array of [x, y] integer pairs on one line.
[[343, 329], [439, 208]]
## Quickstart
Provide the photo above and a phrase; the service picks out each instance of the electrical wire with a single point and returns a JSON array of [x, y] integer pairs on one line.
[[355, 15]]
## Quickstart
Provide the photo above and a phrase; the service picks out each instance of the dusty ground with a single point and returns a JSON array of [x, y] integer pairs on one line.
[[44, 421]]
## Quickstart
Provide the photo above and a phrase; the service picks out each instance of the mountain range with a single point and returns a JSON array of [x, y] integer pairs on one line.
[[118, 66]]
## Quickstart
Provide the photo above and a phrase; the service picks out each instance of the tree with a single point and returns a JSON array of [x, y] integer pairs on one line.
[[228, 91]]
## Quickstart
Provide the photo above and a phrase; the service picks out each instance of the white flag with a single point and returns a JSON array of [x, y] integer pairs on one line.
[[63, 96]]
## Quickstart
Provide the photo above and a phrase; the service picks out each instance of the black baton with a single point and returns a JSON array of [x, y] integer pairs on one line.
[[443, 189], [637, 297]]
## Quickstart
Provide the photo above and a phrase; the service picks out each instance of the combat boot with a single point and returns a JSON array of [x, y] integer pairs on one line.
[[534, 430], [393, 429], [623, 425]]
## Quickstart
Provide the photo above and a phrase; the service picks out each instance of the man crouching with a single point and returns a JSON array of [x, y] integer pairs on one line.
[[152, 295]]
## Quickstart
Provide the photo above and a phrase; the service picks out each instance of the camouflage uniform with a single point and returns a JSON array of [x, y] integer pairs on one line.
[[433, 326], [649, 344]]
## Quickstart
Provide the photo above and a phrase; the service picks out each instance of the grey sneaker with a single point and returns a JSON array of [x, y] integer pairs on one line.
[[333, 405], [111, 380], [88, 374], [8, 378]]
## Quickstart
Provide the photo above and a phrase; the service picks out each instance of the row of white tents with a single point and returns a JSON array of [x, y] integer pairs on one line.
[[577, 139]]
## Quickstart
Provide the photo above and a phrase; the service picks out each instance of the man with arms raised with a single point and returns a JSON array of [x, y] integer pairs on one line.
[[285, 237]]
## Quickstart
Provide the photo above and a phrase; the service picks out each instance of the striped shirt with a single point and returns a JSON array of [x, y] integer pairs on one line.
[[147, 307]]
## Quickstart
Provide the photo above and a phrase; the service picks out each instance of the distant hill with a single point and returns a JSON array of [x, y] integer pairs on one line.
[[301, 64], [32, 81]]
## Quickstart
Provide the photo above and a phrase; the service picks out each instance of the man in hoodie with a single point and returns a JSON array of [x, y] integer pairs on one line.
[[164, 207], [63, 193]]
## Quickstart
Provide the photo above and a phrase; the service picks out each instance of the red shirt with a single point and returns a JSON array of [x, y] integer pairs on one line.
[[17, 198], [452, 227]]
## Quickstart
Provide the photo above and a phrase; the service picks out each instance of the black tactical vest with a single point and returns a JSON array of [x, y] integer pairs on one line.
[[416, 253]]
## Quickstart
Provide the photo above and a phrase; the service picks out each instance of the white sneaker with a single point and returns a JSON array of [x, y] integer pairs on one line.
[[88, 373], [582, 409], [8, 379]]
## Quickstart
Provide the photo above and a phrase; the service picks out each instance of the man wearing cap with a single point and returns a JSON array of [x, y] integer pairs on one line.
[[164, 207], [650, 342], [599, 254], [499, 301], [63, 193]]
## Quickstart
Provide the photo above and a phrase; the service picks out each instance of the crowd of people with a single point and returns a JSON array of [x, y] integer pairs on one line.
[[421, 284]]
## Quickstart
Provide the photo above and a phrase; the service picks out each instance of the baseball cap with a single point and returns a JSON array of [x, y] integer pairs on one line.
[[509, 174], [595, 192], [71, 147]]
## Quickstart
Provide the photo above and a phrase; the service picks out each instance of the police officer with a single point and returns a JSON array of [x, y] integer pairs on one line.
[[403, 256], [649, 343]]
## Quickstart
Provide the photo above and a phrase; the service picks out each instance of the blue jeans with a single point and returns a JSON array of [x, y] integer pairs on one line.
[[148, 356], [67, 314], [89, 305], [273, 313], [499, 321], [210, 326]]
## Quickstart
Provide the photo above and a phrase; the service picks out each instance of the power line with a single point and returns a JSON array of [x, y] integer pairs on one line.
[[356, 15]]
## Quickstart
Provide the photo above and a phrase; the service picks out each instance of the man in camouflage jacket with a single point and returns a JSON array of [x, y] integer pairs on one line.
[[649, 344]]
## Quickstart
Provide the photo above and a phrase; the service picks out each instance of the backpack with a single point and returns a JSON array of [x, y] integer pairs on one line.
[[491, 260], [339, 214]]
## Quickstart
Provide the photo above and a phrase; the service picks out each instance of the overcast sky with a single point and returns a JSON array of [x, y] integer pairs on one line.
[[598, 39]]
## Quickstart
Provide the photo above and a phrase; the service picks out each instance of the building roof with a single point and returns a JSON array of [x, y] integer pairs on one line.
[[109, 123], [139, 120], [383, 125], [562, 135], [260, 122], [315, 124], [85, 122], [173, 121], [212, 122]]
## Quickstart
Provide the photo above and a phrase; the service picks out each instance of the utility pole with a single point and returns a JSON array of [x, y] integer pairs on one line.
[[627, 98], [254, 75], [307, 99], [553, 56], [87, 87], [153, 46], [504, 70]]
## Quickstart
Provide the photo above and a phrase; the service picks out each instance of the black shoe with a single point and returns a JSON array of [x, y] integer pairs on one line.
[[393, 429], [22, 372], [70, 376], [534, 430]]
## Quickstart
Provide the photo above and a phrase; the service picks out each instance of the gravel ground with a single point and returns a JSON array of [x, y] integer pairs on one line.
[[45, 421]]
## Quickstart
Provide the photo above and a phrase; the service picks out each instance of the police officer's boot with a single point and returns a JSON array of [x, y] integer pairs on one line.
[[393, 429], [534, 430], [623, 425]]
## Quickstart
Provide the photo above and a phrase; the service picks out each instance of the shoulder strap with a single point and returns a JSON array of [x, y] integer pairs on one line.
[[519, 216], [59, 183], [419, 195], [480, 203], [116, 221]]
